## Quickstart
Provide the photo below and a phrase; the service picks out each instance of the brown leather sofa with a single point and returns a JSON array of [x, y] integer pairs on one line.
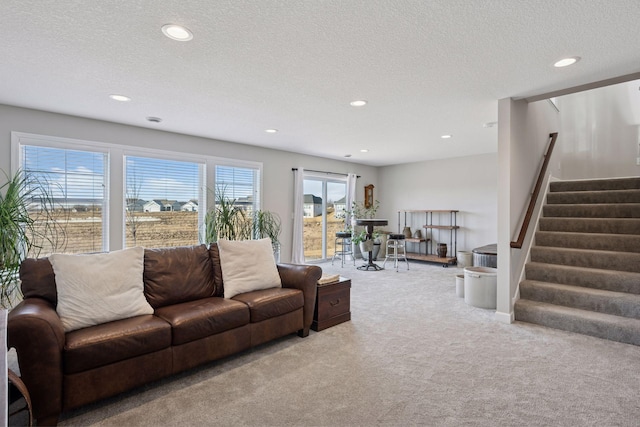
[[192, 324]]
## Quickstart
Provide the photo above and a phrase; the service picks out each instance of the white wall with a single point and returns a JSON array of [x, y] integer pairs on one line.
[[600, 132], [523, 136], [277, 178], [467, 184]]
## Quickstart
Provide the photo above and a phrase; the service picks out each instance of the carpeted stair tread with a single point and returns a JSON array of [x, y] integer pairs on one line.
[[591, 225], [597, 241], [601, 301], [607, 326], [598, 210], [596, 184], [591, 197], [612, 280], [584, 274], [607, 260]]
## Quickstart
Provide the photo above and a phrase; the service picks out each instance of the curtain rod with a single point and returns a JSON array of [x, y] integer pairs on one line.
[[332, 173]]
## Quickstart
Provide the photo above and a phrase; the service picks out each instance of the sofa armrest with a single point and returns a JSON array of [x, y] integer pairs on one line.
[[36, 332], [305, 278]]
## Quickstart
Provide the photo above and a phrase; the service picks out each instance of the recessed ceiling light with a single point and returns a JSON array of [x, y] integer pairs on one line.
[[364, 150], [445, 136], [120, 98], [565, 62], [154, 119], [359, 103], [177, 32], [271, 130]]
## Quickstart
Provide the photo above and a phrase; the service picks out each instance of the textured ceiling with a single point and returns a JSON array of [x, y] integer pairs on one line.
[[427, 68]]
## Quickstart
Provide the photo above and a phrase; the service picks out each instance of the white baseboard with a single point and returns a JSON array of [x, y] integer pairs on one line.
[[505, 317]]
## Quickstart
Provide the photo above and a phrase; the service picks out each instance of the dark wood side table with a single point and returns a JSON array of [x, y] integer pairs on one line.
[[332, 304]]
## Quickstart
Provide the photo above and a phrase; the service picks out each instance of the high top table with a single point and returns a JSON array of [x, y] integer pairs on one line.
[[370, 223]]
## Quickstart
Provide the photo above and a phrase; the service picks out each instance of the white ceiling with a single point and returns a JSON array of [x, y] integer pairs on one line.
[[427, 67]]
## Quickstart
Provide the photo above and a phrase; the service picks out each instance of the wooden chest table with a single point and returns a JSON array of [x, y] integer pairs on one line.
[[332, 304]]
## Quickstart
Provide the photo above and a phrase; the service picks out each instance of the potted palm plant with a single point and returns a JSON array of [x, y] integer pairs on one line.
[[226, 220], [229, 221], [24, 231], [267, 224]]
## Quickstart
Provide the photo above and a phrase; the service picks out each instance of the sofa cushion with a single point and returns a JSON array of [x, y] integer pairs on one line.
[[176, 275], [111, 342], [193, 320], [248, 265], [214, 254], [99, 288], [268, 303]]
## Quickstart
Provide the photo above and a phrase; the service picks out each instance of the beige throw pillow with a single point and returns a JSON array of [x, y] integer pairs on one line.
[[247, 265], [99, 288]]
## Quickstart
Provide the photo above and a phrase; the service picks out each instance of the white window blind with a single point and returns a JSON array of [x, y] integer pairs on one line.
[[241, 184], [77, 185], [163, 201]]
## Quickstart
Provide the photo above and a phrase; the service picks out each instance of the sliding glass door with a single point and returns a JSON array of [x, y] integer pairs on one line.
[[324, 206]]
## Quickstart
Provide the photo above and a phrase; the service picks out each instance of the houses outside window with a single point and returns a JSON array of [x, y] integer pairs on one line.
[[115, 196], [162, 200], [239, 183]]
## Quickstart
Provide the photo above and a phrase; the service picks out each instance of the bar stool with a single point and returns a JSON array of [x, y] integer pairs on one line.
[[396, 250], [343, 239]]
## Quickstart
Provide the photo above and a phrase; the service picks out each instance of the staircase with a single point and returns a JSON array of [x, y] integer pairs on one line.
[[584, 274]]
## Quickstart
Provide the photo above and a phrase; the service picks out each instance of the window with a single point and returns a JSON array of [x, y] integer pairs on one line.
[[77, 187], [163, 200], [159, 197], [241, 184]]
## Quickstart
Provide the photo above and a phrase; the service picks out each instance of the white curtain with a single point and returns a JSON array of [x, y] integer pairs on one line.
[[297, 251], [351, 194]]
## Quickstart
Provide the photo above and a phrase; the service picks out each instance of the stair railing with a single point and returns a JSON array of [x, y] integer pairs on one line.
[[517, 244]]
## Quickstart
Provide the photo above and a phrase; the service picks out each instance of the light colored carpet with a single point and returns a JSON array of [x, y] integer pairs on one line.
[[413, 354]]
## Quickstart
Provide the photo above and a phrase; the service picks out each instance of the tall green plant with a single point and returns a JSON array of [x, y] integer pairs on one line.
[[24, 233], [266, 224], [226, 220], [229, 221]]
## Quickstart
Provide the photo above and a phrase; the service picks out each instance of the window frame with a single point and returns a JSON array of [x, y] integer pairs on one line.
[[114, 225], [212, 162], [19, 139], [169, 156], [322, 177]]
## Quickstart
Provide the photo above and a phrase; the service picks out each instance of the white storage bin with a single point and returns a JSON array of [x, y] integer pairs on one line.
[[480, 286], [460, 285]]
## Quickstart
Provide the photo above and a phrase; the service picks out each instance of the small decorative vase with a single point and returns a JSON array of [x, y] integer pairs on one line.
[[407, 232], [442, 250], [417, 234]]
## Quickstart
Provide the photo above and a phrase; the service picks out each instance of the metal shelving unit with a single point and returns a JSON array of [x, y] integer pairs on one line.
[[430, 227]]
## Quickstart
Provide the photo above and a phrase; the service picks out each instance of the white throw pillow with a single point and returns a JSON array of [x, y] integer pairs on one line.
[[247, 265], [99, 288]]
